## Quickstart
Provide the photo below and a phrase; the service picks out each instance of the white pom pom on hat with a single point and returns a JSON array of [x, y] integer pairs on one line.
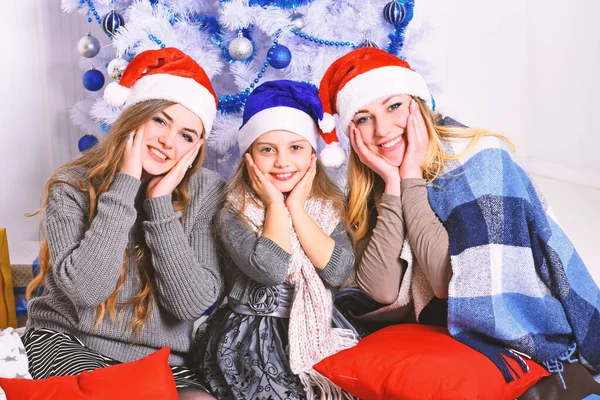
[[327, 123], [333, 155], [116, 95]]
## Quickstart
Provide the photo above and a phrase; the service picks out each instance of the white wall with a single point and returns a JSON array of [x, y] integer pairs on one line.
[[563, 69], [25, 158], [526, 69], [564, 48], [40, 80], [482, 51]]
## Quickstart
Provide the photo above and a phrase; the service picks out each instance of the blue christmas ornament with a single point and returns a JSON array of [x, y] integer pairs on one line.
[[87, 142], [111, 22], [394, 12], [279, 56], [93, 80]]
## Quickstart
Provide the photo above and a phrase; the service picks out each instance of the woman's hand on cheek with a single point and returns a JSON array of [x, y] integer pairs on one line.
[[381, 167], [131, 163], [265, 189], [165, 184], [417, 144], [297, 197]]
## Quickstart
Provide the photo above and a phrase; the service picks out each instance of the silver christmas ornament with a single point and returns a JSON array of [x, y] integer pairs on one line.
[[116, 67], [298, 21], [88, 46], [240, 48]]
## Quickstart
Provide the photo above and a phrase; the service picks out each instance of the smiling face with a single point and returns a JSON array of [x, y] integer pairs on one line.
[[168, 136], [283, 157], [382, 125]]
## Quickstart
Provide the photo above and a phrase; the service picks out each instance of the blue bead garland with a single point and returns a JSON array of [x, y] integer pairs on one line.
[[157, 41], [285, 4], [305, 36], [91, 9]]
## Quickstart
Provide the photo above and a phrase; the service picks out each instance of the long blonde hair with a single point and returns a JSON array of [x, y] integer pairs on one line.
[[366, 187], [101, 165], [323, 187]]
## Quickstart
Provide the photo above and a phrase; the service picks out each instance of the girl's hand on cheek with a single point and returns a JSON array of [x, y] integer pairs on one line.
[[265, 189], [131, 163], [385, 170], [298, 196], [165, 184], [417, 144]]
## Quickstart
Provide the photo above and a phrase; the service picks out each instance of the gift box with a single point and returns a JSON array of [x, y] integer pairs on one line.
[[24, 267], [8, 316]]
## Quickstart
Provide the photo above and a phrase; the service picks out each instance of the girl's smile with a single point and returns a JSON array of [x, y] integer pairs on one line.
[[283, 157]]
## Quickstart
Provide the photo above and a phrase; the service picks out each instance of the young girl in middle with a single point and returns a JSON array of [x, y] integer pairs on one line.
[[284, 227]]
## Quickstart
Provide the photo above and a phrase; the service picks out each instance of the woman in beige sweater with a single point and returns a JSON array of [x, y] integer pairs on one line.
[[388, 205], [399, 147]]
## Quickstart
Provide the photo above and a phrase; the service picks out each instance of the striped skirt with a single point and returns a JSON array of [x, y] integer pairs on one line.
[[52, 353]]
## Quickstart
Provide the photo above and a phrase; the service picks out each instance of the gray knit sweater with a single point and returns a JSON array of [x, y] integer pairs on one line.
[[86, 264], [259, 259]]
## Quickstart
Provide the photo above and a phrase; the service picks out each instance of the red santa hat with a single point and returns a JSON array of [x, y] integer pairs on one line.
[[165, 74], [362, 76]]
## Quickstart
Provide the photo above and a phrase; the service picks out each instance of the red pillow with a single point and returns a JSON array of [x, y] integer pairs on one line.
[[418, 362], [146, 378]]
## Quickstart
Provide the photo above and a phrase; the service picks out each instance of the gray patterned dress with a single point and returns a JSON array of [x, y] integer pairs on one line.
[[241, 352]]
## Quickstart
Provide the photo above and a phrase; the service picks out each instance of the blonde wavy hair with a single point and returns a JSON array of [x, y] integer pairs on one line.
[[101, 165], [366, 187], [323, 187]]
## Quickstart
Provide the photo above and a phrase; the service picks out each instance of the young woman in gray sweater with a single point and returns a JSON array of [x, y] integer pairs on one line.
[[129, 259]]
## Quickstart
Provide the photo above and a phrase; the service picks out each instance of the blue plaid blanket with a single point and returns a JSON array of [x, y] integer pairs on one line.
[[517, 282]]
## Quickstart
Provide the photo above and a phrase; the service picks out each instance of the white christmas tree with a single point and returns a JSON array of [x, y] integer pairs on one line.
[[241, 44]]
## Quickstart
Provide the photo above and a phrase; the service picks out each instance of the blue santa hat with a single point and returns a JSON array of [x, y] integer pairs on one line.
[[285, 105]]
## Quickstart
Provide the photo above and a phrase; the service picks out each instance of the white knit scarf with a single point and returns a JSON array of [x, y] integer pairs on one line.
[[310, 335]]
